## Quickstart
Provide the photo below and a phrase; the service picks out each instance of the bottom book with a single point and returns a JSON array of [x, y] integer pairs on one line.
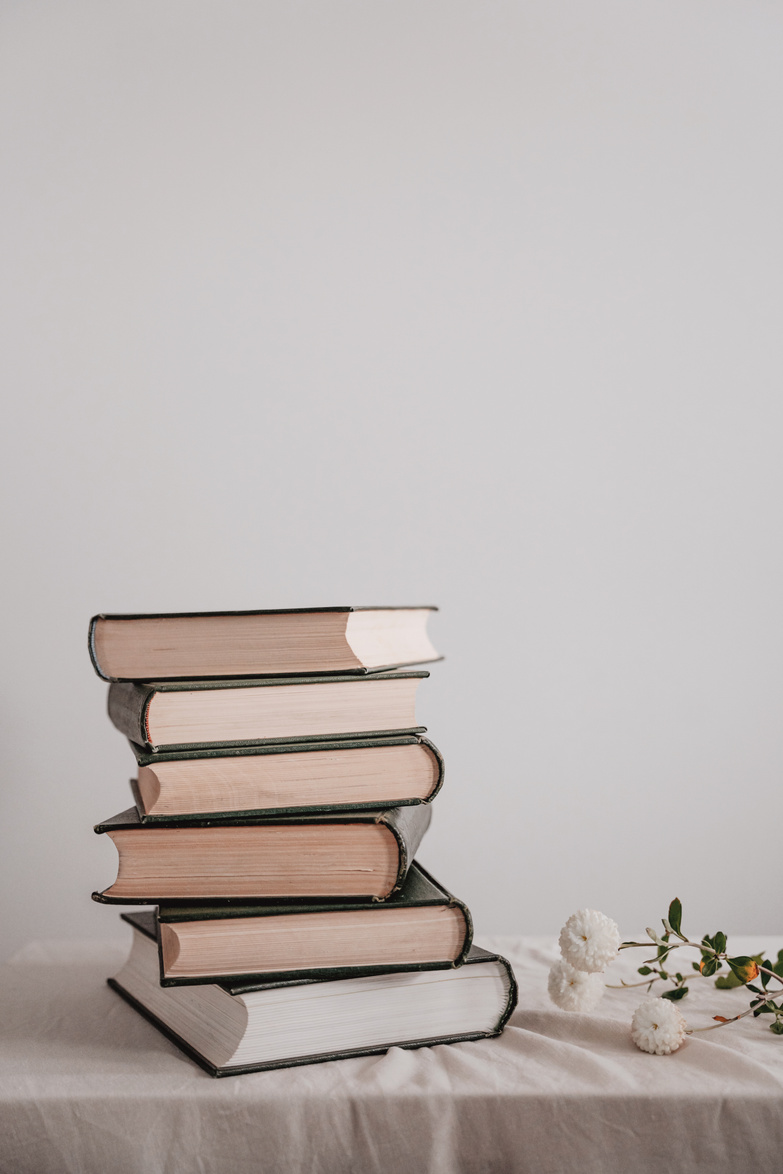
[[307, 1021]]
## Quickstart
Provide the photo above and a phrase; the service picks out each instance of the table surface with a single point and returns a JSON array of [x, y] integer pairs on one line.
[[87, 1086]]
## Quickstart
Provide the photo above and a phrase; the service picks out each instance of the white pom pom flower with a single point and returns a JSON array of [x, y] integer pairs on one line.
[[589, 940], [658, 1027], [574, 990]]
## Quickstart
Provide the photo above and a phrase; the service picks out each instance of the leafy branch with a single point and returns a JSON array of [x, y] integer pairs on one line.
[[743, 970]]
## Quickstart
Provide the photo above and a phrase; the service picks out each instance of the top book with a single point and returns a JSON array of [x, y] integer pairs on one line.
[[279, 642]]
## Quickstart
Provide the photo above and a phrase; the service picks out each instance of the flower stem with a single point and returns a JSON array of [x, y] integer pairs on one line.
[[734, 1018], [702, 949], [618, 986]]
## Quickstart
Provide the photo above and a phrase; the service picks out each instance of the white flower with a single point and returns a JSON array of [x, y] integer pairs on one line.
[[589, 940], [658, 1027], [574, 990]]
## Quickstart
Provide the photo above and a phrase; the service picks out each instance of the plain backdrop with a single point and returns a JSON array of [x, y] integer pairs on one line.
[[470, 303]]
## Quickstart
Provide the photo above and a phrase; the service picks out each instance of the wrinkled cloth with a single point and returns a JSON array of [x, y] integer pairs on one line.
[[87, 1086]]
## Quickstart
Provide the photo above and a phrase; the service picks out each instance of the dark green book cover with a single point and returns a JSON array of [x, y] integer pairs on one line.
[[145, 923], [146, 758], [172, 636], [419, 889], [129, 707], [407, 825]]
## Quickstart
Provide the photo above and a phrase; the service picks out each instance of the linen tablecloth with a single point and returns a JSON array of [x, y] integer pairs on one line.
[[87, 1086]]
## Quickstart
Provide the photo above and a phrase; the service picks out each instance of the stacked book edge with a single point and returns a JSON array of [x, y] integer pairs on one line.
[[283, 790]]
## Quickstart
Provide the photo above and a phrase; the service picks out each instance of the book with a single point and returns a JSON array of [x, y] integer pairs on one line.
[[280, 641], [177, 715], [280, 779], [305, 1021], [420, 927], [358, 854]]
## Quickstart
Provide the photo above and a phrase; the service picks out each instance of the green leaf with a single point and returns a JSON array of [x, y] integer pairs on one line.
[[675, 915], [678, 993], [663, 974], [764, 976], [727, 982], [644, 970], [709, 966], [696, 966], [777, 1027], [720, 942], [744, 967]]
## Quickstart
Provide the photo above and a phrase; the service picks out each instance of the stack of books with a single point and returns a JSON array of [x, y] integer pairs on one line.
[[283, 790]]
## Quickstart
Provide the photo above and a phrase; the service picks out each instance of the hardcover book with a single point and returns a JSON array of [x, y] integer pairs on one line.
[[287, 642], [178, 715], [305, 1021], [422, 926], [358, 854], [286, 778]]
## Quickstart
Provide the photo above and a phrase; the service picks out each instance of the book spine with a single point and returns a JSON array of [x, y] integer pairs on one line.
[[128, 705], [513, 995], [91, 648], [408, 825], [436, 754], [453, 903], [468, 939]]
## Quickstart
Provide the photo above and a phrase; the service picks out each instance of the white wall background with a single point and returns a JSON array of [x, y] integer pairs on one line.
[[471, 303]]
